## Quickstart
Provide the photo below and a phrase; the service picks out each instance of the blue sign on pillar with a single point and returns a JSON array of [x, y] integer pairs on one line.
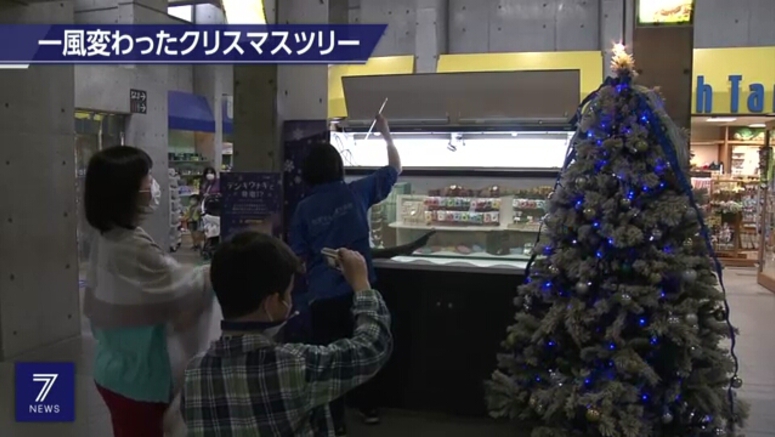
[[251, 201]]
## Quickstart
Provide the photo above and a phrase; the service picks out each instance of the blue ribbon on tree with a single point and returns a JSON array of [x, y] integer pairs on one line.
[[686, 187]]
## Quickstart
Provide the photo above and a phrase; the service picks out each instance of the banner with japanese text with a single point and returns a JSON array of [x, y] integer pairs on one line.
[[250, 201], [188, 44]]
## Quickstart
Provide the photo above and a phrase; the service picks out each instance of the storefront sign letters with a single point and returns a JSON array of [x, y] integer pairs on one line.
[[753, 96]]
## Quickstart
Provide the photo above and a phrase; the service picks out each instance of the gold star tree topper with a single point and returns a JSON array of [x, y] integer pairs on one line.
[[622, 63]]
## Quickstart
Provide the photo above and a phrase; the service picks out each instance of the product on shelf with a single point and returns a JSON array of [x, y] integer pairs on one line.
[[462, 210], [185, 157], [733, 217], [176, 210]]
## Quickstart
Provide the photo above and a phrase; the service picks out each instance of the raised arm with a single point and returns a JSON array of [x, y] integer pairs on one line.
[[394, 159], [343, 365], [167, 288]]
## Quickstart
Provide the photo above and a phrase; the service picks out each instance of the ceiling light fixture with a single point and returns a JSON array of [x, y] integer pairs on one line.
[[721, 119]]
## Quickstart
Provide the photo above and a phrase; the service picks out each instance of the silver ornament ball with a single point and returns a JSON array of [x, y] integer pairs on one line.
[[737, 382], [625, 202], [581, 181], [582, 287], [689, 275], [626, 298], [667, 417], [691, 319], [719, 432], [690, 214], [589, 213], [657, 234], [553, 269], [673, 320]]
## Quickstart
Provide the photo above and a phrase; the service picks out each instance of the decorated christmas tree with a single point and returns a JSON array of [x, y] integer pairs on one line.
[[619, 325]]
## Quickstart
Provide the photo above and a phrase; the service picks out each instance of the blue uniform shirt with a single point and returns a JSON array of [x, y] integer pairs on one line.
[[335, 215]]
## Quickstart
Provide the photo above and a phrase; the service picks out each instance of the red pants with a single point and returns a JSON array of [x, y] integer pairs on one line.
[[132, 418]]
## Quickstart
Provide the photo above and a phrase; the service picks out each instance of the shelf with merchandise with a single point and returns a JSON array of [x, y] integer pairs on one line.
[[471, 224], [766, 274], [732, 216]]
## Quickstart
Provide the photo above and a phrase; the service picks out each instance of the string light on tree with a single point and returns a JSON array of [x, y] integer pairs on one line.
[[626, 299]]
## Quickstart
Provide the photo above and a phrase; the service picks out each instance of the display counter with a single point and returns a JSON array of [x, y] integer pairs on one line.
[[448, 324], [452, 297]]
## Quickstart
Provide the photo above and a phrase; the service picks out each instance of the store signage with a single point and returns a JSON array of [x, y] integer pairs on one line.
[[753, 95], [250, 201], [138, 101]]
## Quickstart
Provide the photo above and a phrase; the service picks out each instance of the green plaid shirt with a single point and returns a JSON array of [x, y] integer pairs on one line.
[[249, 386]]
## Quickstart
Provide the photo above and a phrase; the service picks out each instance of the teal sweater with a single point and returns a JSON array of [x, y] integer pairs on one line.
[[134, 362]]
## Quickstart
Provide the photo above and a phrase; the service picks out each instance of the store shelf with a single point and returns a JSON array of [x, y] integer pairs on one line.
[[745, 143], [483, 228], [472, 256], [193, 161]]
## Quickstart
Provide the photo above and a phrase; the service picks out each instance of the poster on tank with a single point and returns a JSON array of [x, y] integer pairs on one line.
[[250, 201]]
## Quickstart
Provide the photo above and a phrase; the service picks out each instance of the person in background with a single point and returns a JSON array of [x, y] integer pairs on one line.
[[335, 215], [143, 306], [210, 183], [193, 217], [251, 384]]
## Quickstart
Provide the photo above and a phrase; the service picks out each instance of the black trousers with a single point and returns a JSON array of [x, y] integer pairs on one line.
[[332, 320]]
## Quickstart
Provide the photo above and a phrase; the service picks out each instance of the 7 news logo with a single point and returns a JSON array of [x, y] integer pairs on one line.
[[45, 392]]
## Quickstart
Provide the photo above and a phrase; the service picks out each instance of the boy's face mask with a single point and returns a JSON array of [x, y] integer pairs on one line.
[[274, 330]]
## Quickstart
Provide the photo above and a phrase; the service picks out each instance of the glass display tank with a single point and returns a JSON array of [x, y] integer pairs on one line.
[[483, 195]]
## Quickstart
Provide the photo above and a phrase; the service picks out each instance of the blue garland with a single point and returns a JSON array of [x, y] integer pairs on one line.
[[684, 185]]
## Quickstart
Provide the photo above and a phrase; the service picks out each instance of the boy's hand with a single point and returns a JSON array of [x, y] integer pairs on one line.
[[354, 269], [382, 126]]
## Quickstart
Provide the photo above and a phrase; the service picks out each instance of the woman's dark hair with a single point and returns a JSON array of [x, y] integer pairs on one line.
[[322, 165], [207, 171], [112, 188], [249, 267]]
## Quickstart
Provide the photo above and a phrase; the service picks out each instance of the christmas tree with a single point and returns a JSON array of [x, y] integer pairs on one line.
[[620, 320]]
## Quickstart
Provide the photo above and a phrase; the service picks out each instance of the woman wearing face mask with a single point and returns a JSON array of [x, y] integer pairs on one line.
[[210, 184], [146, 310]]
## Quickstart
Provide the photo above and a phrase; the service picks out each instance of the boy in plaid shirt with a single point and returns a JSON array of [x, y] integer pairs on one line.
[[249, 384]]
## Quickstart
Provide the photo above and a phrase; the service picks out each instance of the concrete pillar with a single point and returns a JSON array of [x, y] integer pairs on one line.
[[213, 82], [670, 70], [431, 34], [106, 88], [616, 26], [267, 95], [38, 221]]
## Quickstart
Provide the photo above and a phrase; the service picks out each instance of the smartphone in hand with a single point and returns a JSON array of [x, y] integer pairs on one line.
[[332, 258]]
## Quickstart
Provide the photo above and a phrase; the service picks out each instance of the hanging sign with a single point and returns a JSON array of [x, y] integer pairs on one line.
[[138, 101]]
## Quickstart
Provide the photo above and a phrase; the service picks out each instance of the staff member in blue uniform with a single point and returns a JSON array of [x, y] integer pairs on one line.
[[335, 215]]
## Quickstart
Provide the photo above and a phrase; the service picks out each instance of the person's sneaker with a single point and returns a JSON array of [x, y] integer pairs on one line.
[[370, 417]]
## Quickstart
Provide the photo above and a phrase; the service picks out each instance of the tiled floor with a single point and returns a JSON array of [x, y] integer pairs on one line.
[[753, 311]]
